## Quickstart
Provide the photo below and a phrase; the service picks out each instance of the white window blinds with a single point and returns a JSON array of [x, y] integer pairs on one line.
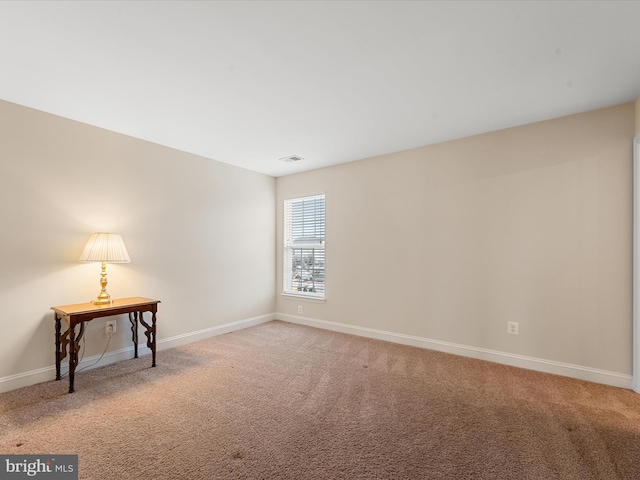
[[304, 242]]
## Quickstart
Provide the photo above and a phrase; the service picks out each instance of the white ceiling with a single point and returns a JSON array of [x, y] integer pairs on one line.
[[250, 82]]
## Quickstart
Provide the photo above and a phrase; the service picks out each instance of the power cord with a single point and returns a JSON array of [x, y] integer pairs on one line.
[[82, 356]]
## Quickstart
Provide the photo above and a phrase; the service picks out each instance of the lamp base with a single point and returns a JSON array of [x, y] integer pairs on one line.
[[102, 301], [103, 297]]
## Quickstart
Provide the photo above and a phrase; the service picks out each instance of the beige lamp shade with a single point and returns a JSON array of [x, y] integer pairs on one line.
[[105, 247]]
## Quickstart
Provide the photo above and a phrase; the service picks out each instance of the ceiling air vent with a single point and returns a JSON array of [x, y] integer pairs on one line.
[[292, 158]]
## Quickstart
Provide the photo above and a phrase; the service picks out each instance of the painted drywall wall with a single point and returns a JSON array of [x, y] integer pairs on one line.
[[451, 241], [200, 234]]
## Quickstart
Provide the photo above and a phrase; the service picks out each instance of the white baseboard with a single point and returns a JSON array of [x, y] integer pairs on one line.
[[605, 377], [531, 363], [45, 374], [191, 337]]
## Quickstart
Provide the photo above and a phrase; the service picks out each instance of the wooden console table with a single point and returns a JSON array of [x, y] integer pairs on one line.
[[85, 312]]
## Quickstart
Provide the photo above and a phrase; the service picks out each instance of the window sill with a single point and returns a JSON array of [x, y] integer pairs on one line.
[[309, 298]]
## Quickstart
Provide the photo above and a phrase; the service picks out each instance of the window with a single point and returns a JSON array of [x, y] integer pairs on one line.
[[304, 246]]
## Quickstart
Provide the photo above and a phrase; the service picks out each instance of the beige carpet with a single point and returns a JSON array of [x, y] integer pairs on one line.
[[283, 401]]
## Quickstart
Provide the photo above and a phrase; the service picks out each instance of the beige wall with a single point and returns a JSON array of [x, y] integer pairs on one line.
[[450, 242], [446, 242], [200, 233]]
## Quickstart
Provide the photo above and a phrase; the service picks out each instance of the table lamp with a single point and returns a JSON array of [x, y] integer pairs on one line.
[[105, 248]]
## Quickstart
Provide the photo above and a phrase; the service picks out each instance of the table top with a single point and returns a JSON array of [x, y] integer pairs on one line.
[[80, 308]]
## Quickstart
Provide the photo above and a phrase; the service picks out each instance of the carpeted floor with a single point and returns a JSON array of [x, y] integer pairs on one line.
[[284, 401]]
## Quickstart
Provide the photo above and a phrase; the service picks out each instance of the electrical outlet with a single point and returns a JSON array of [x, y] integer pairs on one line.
[[299, 308], [512, 328], [111, 327]]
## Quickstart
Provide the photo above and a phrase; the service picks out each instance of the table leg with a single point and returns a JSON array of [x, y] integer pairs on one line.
[[73, 356], [150, 332], [153, 342], [133, 318], [74, 349], [58, 346], [62, 340]]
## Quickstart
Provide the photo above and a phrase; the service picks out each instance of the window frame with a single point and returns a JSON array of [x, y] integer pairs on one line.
[[291, 244]]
